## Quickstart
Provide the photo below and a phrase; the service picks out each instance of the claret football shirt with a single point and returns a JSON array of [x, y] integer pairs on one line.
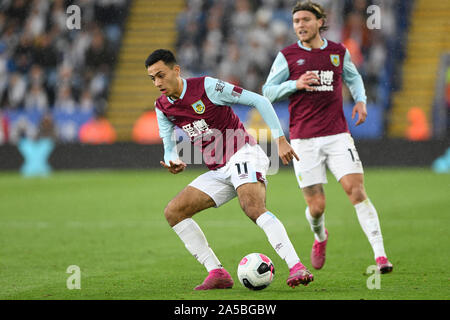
[[203, 112]]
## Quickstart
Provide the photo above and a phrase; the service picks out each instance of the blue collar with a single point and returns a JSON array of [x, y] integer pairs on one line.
[[325, 44], [182, 93]]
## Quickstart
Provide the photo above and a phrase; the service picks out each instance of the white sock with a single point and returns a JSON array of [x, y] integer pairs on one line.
[[368, 219], [317, 225], [195, 241], [278, 238]]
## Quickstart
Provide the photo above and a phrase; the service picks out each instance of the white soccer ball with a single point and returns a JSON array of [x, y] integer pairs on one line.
[[256, 271]]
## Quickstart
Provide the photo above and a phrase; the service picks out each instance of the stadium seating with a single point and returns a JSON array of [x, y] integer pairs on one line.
[[428, 39], [150, 26]]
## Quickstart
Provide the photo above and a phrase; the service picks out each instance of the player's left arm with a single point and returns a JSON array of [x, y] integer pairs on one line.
[[223, 93], [355, 84]]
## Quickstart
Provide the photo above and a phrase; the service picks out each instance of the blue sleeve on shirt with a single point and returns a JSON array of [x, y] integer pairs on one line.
[[167, 134], [221, 93], [353, 79], [277, 86]]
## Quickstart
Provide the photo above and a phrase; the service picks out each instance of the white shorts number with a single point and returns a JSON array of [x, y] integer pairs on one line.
[[337, 152]]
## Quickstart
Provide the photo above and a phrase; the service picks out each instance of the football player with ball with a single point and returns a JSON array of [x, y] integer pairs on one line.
[[238, 165]]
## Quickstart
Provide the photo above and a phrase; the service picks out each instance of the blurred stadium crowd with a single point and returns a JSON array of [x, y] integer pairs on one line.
[[47, 68], [237, 40]]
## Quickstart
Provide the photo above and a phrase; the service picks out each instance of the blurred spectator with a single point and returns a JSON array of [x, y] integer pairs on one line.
[[145, 129], [36, 75], [44, 53], [98, 53], [16, 90], [234, 66], [2, 22], [18, 11], [35, 24], [65, 101], [36, 98], [4, 129], [58, 16], [86, 102], [242, 18], [3, 69], [418, 128], [97, 131]]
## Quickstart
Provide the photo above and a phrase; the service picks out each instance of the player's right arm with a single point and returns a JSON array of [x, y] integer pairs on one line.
[[166, 131], [223, 93], [278, 86]]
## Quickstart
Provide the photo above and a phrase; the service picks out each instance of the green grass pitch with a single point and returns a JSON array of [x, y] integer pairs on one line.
[[111, 225]]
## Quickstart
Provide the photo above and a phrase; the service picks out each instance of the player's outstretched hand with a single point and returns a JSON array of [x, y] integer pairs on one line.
[[174, 166], [285, 151], [360, 108], [306, 80]]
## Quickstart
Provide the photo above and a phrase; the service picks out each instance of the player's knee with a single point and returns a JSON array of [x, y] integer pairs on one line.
[[168, 213], [172, 214], [316, 208], [253, 210], [356, 193]]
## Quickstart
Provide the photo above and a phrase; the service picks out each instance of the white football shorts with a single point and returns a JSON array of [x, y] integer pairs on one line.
[[337, 152], [248, 165]]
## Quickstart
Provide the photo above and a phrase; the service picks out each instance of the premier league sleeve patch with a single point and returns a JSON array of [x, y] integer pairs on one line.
[[198, 107], [335, 60]]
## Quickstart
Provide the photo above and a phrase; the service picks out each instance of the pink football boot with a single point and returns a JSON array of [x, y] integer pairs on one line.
[[383, 265], [298, 274], [318, 253], [216, 279]]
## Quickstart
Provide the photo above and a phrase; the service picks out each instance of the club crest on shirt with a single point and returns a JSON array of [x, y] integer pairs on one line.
[[335, 60], [198, 107]]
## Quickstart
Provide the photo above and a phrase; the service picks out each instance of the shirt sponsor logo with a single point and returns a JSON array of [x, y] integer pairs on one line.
[[198, 107], [326, 80], [196, 129]]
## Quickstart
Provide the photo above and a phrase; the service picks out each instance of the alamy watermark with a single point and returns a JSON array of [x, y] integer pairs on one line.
[[73, 21], [218, 147], [374, 20], [74, 280], [374, 280]]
